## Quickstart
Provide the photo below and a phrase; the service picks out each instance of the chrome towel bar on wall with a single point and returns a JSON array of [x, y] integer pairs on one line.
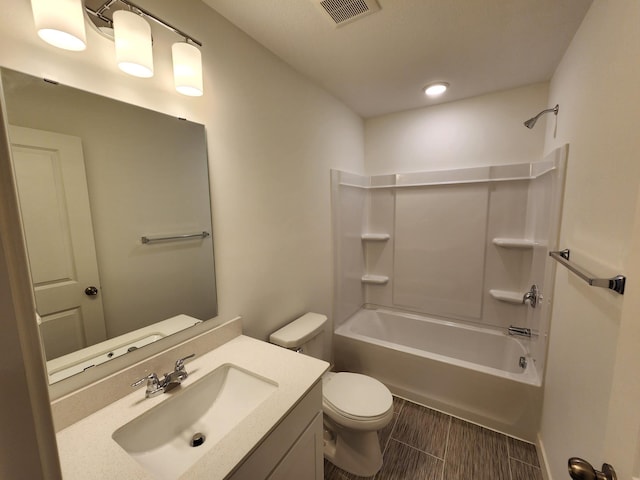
[[615, 283], [168, 238]]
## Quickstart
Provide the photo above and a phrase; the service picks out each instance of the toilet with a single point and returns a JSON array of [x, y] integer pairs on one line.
[[354, 406]]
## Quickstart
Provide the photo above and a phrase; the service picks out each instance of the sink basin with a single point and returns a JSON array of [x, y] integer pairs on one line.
[[172, 436]]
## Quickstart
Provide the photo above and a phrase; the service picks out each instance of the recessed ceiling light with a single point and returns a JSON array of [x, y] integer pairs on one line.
[[436, 89]]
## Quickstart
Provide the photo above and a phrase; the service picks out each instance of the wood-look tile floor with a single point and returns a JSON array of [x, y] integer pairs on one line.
[[423, 444]]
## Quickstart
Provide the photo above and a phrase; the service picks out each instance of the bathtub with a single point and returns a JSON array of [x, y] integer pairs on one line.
[[470, 372]]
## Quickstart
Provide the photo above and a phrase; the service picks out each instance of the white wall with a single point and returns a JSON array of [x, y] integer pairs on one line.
[[272, 138], [596, 85], [485, 130]]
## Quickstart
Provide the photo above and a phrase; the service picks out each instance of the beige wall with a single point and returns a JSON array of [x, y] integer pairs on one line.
[[27, 445], [484, 130], [272, 138], [596, 85]]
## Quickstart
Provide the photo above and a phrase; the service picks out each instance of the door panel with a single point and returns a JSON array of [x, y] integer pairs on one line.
[[54, 204]]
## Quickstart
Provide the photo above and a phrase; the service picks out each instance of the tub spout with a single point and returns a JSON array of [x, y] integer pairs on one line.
[[519, 331]]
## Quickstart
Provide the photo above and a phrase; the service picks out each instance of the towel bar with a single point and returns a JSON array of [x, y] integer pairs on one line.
[[615, 283], [146, 239]]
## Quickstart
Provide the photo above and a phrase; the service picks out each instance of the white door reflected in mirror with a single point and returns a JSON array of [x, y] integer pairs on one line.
[[54, 204]]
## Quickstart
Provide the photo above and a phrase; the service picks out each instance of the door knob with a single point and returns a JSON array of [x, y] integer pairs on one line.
[[91, 291], [580, 469]]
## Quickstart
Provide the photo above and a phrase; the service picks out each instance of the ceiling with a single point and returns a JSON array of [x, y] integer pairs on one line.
[[379, 63]]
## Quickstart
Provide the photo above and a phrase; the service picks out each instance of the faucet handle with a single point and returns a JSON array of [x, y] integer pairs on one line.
[[151, 379], [532, 296], [180, 362]]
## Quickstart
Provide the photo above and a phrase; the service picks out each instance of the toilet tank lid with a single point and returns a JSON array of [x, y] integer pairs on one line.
[[299, 331]]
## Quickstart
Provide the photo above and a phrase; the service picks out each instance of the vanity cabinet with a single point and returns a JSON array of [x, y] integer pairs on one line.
[[301, 461], [293, 449]]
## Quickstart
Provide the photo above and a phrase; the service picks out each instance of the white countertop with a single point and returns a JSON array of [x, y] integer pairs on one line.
[[87, 450]]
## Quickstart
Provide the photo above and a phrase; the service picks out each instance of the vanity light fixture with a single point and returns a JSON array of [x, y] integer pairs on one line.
[[132, 35], [436, 89], [187, 68], [60, 23]]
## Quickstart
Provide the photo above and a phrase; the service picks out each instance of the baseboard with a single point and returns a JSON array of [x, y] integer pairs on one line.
[[542, 459]]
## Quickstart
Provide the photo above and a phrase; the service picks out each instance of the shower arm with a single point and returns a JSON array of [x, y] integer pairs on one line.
[[532, 121]]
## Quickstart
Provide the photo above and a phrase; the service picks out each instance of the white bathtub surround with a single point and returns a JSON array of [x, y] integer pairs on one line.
[[466, 371], [444, 240], [462, 246]]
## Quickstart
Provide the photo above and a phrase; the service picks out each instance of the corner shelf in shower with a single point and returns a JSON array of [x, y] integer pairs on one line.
[[375, 279], [507, 296], [520, 243], [375, 237]]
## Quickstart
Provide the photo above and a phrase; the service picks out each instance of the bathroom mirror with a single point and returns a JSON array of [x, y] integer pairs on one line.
[[116, 211]]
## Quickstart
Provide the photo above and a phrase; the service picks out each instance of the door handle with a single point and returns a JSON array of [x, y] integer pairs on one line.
[[580, 469], [91, 291]]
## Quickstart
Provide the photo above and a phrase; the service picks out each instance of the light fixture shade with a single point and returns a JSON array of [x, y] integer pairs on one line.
[[60, 23], [134, 53], [187, 69]]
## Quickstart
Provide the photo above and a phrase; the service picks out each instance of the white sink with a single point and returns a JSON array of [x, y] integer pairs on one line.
[[161, 438]]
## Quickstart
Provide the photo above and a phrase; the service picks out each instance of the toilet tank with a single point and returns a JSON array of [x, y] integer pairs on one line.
[[305, 334]]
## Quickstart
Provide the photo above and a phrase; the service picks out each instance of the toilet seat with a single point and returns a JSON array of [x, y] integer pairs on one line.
[[356, 401]]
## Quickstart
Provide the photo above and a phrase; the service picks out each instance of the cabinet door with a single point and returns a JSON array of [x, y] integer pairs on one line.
[[305, 458]]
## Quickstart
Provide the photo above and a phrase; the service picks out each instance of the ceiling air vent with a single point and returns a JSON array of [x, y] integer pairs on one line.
[[346, 11]]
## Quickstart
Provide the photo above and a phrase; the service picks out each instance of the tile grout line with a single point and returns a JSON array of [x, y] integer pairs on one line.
[[396, 417], [446, 447], [395, 423], [508, 457], [524, 463], [417, 449]]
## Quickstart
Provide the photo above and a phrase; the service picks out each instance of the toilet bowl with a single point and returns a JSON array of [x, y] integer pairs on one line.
[[354, 406]]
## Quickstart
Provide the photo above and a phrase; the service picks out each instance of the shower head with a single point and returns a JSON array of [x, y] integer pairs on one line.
[[532, 121]]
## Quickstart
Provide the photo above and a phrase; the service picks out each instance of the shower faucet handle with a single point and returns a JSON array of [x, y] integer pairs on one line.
[[532, 296]]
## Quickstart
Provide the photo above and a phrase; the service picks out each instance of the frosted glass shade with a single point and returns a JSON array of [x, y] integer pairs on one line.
[[187, 69], [134, 53], [60, 23]]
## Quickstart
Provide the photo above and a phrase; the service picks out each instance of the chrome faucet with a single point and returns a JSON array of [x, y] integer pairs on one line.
[[532, 296], [156, 386]]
